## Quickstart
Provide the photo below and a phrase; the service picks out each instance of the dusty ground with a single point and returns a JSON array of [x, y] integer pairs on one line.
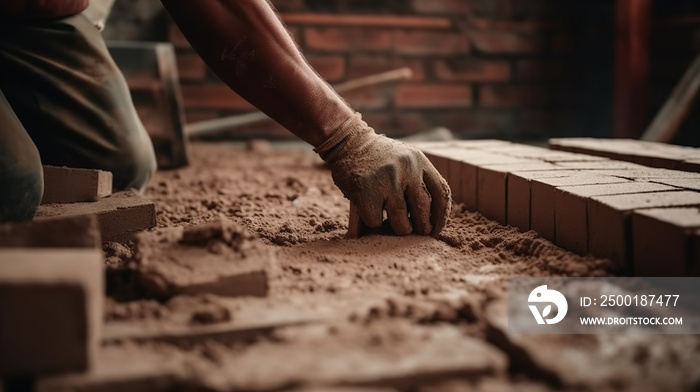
[[413, 313]]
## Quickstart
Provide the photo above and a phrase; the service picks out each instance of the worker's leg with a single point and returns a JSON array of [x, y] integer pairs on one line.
[[21, 182], [72, 99]]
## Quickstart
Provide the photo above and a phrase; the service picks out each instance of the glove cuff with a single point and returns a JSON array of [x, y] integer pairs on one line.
[[350, 129]]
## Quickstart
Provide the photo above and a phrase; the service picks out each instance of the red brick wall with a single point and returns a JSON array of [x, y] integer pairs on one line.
[[483, 68]]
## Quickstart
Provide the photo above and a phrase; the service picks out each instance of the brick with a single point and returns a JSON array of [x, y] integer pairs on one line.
[[440, 6], [198, 260], [363, 65], [518, 197], [190, 67], [661, 241], [685, 183], [474, 195], [119, 215], [330, 68], [426, 43], [649, 174], [51, 306], [213, 96], [80, 231], [473, 70], [512, 96], [502, 42], [542, 200], [416, 22], [609, 229], [474, 123], [70, 185], [395, 124], [600, 165], [433, 96], [372, 97], [355, 225], [350, 39], [571, 210]]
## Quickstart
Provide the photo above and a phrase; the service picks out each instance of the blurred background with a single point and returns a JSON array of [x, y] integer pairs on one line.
[[515, 69]]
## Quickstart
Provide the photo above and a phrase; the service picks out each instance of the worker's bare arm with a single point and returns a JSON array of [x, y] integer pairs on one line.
[[247, 46], [244, 42], [41, 9]]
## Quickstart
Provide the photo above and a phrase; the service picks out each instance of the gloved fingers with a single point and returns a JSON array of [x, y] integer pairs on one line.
[[398, 215], [441, 202], [371, 209], [418, 200]]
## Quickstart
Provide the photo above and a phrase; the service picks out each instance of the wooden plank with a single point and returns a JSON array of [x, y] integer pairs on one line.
[[631, 67], [676, 108]]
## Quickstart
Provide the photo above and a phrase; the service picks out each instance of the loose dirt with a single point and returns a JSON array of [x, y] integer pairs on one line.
[[411, 313]]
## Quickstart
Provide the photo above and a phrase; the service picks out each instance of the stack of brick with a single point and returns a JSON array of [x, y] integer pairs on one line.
[[583, 203], [78, 192], [665, 156], [478, 68], [51, 295]]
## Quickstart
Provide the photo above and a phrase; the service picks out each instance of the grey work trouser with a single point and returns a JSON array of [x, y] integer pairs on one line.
[[63, 102]]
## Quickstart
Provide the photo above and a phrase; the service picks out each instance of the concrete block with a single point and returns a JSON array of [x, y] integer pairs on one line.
[[609, 231], [662, 241], [119, 215], [51, 307], [571, 212], [70, 185], [81, 231], [542, 199]]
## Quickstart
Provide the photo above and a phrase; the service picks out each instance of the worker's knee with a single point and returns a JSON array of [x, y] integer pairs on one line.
[[22, 189]]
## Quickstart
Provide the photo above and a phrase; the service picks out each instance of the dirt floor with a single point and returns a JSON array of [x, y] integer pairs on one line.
[[403, 313]]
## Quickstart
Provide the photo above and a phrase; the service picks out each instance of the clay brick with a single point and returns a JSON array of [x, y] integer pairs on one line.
[[481, 144], [472, 70], [350, 39], [80, 231], [467, 123], [394, 124], [330, 68], [542, 199], [440, 6], [425, 43], [190, 67], [367, 98], [507, 96], [213, 96], [363, 65], [518, 197], [605, 164], [571, 211], [433, 96], [483, 182], [502, 42], [51, 306], [685, 183], [119, 215], [609, 232], [69, 185], [355, 225], [661, 241]]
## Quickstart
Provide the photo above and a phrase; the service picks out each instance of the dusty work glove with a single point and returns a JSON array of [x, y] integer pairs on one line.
[[378, 173]]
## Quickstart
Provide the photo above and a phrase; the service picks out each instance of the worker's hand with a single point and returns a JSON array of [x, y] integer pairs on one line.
[[378, 173]]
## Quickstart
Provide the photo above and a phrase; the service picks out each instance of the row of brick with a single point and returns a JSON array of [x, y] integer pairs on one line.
[[580, 202], [666, 156]]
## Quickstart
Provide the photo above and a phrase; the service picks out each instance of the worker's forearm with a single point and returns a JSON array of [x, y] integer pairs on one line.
[[247, 46]]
